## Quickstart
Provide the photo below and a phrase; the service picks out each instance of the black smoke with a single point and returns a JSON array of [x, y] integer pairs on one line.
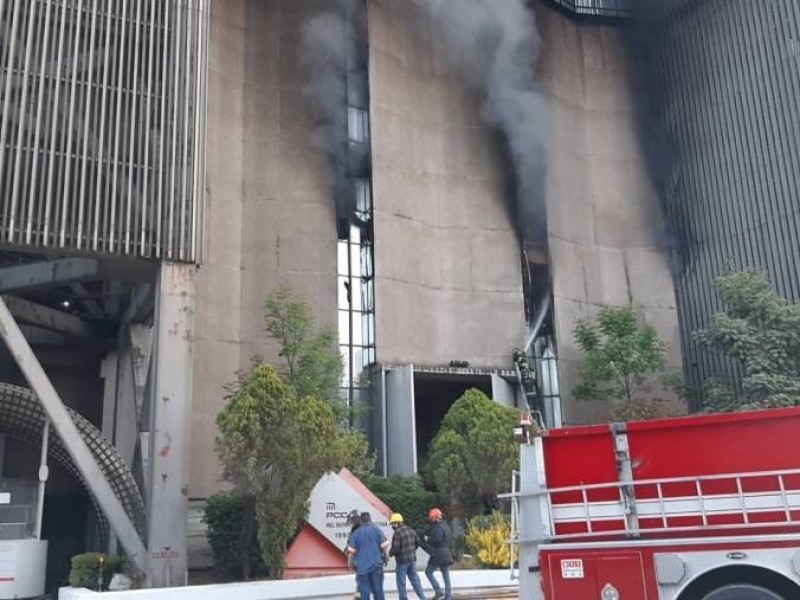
[[329, 45], [494, 46]]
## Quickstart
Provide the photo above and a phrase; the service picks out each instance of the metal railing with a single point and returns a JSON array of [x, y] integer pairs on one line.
[[711, 503], [599, 8]]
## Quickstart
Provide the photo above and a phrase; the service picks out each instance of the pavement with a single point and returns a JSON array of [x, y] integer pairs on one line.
[[467, 585]]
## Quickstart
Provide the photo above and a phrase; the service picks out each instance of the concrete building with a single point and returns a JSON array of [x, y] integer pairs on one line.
[[167, 164]]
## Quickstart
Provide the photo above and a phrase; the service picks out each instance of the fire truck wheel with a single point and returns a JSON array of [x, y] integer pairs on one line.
[[741, 591]]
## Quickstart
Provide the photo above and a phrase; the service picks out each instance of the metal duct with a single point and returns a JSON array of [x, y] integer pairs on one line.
[[22, 418], [102, 125]]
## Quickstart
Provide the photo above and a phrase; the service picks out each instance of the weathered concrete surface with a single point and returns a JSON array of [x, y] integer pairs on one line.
[[448, 281], [447, 265], [269, 211], [603, 214], [219, 278], [288, 223]]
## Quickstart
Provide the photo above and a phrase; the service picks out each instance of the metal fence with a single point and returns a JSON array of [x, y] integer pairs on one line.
[[101, 130]]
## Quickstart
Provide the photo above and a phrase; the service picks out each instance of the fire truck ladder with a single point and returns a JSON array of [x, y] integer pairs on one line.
[[719, 503]]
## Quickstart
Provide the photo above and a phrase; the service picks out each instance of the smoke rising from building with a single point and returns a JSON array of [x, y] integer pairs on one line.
[[328, 40], [494, 45]]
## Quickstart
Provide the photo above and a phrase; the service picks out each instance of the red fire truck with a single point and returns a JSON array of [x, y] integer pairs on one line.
[[695, 508]]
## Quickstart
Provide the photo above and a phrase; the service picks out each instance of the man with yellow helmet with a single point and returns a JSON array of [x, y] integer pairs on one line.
[[405, 542]]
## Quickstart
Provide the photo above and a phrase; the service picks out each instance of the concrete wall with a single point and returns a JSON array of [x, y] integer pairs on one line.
[[448, 283], [219, 278], [269, 210], [603, 213], [288, 223]]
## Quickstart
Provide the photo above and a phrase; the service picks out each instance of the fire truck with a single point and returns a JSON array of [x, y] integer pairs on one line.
[[693, 508]]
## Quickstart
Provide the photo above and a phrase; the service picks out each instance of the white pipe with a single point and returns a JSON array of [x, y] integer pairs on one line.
[[43, 475]]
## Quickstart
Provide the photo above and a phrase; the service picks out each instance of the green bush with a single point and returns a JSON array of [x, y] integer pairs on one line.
[[227, 516], [405, 495], [85, 569]]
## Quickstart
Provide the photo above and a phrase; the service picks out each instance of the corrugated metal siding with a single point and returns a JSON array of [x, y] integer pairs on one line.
[[728, 84], [101, 131]]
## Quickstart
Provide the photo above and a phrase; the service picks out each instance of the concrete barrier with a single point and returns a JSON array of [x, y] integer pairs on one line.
[[466, 584]]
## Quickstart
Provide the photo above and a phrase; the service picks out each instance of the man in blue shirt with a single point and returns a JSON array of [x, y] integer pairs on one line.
[[369, 546]]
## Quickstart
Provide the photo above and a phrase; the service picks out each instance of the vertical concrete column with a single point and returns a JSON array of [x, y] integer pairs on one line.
[[169, 417], [504, 392], [400, 425]]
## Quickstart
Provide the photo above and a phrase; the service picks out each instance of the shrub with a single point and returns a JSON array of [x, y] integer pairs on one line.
[[487, 538], [474, 454], [405, 495], [226, 515], [85, 569]]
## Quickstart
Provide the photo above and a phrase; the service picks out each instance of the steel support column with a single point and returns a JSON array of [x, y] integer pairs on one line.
[[169, 417], [71, 438]]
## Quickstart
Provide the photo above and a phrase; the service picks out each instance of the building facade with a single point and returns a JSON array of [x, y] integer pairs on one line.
[[165, 165]]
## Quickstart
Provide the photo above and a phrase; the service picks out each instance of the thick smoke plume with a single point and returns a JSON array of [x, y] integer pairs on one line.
[[327, 40], [494, 45], [644, 37]]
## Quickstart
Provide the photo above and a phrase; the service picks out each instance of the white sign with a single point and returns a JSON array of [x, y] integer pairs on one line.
[[334, 497], [572, 568], [5, 498]]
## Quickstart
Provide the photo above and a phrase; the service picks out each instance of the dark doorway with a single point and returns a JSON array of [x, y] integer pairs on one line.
[[434, 394], [64, 527]]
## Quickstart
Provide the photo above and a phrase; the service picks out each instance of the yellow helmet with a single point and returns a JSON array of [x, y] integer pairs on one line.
[[396, 518]]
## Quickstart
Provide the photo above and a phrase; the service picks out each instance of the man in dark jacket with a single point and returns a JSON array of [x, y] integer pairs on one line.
[[440, 544], [405, 542]]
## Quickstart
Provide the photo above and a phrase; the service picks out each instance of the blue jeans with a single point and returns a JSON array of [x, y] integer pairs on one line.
[[429, 573], [370, 584], [409, 570]]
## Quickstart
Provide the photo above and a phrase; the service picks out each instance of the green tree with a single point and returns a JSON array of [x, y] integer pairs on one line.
[[472, 457], [759, 330], [622, 358], [280, 431], [275, 446], [312, 365]]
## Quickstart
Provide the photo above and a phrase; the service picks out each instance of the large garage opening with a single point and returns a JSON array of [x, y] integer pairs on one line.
[[434, 394]]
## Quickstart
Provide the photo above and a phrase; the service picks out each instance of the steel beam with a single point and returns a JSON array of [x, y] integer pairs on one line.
[[48, 274], [47, 318], [61, 421], [171, 391]]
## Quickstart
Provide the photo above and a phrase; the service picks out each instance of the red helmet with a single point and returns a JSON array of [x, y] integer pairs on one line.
[[435, 515]]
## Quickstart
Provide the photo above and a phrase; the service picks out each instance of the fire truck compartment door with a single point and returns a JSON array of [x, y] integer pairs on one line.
[[583, 575]]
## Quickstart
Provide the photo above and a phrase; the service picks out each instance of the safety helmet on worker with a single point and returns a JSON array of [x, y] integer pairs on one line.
[[396, 519], [435, 514]]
